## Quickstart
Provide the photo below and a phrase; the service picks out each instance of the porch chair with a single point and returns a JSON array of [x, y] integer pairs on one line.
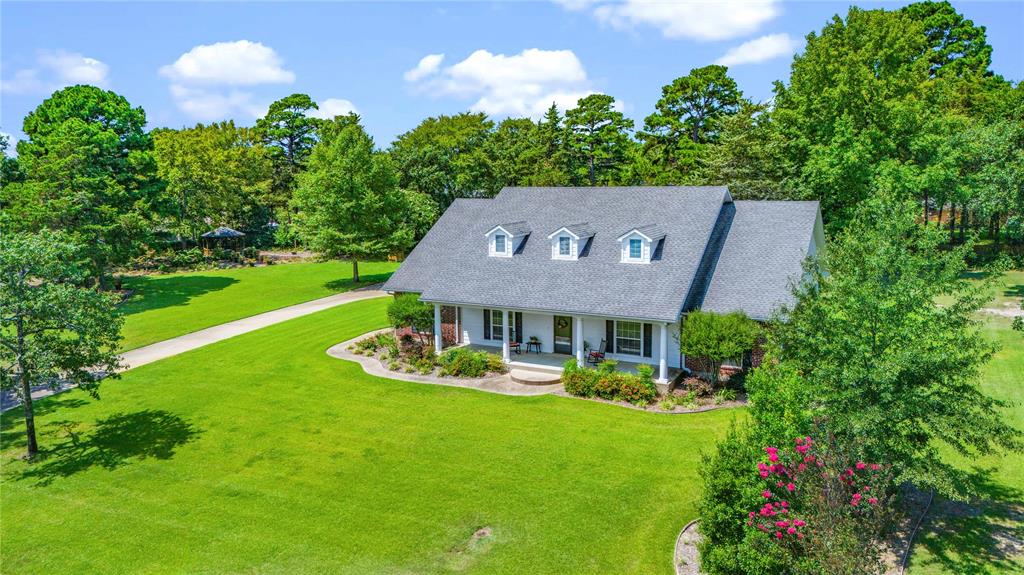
[[596, 356]]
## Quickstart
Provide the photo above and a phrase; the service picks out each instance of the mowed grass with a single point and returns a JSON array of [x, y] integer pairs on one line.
[[167, 306], [261, 454], [986, 537]]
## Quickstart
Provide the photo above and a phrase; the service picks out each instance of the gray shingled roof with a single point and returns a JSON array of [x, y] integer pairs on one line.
[[582, 230], [517, 229], [761, 257], [451, 265]]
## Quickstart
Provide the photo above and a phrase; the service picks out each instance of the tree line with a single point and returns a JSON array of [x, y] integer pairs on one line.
[[906, 97]]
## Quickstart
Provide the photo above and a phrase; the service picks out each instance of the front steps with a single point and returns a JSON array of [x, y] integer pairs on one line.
[[531, 376]]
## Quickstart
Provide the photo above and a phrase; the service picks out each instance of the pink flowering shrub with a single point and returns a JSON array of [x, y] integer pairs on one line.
[[826, 509]]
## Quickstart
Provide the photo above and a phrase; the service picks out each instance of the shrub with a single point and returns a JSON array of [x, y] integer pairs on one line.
[[606, 383], [464, 362], [645, 371], [375, 343], [724, 396], [394, 365], [636, 390], [717, 337], [668, 404], [699, 386], [187, 258]]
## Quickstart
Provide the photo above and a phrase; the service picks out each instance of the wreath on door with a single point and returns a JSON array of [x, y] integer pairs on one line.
[[562, 323]]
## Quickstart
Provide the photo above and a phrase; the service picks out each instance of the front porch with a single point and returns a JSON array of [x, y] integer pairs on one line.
[[554, 361]]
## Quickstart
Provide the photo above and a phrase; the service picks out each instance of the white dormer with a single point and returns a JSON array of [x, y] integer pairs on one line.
[[638, 244], [504, 240], [568, 241]]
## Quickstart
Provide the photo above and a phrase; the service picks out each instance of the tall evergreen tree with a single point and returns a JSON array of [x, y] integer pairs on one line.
[[290, 132], [88, 170], [598, 139]]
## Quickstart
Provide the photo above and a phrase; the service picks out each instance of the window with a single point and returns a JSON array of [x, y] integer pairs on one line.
[[636, 248], [496, 324], [563, 245], [499, 243], [628, 336]]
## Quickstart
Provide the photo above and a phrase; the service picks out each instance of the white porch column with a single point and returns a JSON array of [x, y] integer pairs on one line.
[[506, 354], [578, 334], [437, 327], [662, 357], [458, 326]]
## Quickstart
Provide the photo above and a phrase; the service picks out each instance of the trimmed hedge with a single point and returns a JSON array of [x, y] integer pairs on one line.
[[464, 362], [606, 383]]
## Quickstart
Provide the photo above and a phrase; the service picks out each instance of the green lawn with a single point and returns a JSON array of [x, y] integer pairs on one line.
[[261, 454], [987, 538], [167, 306]]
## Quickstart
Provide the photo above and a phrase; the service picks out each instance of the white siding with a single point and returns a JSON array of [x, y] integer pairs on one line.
[[542, 326]]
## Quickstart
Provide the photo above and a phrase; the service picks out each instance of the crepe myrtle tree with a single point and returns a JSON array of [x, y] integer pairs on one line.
[[717, 337], [52, 329], [406, 310]]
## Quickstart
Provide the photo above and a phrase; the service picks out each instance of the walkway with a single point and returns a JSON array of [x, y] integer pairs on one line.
[[170, 347]]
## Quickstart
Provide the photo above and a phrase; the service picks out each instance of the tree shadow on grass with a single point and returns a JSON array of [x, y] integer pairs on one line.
[[154, 292], [348, 284], [112, 443], [12, 423], [1014, 291], [983, 536]]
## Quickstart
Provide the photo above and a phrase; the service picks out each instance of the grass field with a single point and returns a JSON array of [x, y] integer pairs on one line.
[[261, 454], [986, 537], [167, 306]]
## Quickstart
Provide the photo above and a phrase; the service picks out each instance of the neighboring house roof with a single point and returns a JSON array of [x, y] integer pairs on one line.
[[223, 232], [762, 257], [451, 264]]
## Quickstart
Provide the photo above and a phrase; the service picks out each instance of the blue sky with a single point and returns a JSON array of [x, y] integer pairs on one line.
[[189, 62]]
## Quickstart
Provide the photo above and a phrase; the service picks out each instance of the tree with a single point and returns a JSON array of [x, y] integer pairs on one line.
[[598, 139], [717, 337], [348, 201], [888, 367], [214, 175], [89, 170], [51, 328], [406, 310], [444, 157], [10, 170], [749, 156], [956, 47], [687, 117], [290, 133]]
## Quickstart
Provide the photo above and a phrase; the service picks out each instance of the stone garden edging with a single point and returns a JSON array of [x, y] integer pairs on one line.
[[500, 384]]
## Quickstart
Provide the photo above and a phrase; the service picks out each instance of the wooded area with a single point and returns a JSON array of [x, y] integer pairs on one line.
[[898, 99]]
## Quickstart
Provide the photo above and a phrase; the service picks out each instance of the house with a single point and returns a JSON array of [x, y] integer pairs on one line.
[[575, 267]]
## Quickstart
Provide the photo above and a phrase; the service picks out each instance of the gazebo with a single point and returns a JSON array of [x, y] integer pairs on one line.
[[224, 236]]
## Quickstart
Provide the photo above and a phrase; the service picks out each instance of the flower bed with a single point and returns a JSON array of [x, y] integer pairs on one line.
[[409, 354], [692, 394]]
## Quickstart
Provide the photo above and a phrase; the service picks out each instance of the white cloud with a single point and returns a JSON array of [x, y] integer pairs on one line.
[[427, 65], [523, 84], [332, 107], [210, 82], [211, 105], [55, 69], [759, 50], [239, 63], [694, 19]]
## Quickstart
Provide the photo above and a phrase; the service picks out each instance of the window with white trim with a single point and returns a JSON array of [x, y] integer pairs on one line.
[[496, 325], [499, 243], [629, 337], [564, 245], [636, 248]]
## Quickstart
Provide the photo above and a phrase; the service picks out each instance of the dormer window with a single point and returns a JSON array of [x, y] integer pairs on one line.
[[570, 242], [636, 248], [638, 244], [506, 240]]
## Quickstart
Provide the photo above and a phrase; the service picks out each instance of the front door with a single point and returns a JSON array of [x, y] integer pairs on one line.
[[563, 334]]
